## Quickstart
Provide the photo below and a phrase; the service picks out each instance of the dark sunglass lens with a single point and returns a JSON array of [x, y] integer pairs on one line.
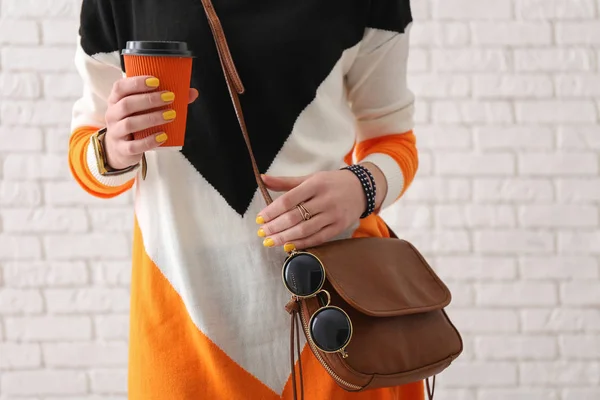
[[330, 329], [303, 274]]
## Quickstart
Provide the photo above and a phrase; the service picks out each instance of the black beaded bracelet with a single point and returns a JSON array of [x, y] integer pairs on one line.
[[368, 183]]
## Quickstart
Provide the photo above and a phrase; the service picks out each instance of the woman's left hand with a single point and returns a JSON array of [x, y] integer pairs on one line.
[[334, 199]]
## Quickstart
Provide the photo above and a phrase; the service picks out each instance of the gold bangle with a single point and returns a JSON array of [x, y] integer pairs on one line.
[[101, 160]]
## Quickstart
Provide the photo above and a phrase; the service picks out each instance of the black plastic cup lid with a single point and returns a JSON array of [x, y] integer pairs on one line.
[[157, 48]]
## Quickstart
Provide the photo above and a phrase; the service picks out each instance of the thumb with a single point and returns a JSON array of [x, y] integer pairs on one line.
[[282, 183], [193, 95]]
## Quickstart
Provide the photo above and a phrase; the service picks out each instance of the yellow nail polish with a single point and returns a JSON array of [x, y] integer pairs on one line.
[[169, 115], [260, 220], [152, 82], [261, 233], [161, 138], [167, 96], [289, 247], [268, 242]]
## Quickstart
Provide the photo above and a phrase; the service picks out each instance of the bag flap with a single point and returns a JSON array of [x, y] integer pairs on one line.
[[382, 277]]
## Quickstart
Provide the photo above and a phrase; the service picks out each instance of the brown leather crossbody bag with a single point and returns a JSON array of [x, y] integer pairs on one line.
[[394, 300]]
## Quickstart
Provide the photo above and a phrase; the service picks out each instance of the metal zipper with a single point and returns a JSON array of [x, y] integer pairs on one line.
[[321, 360]]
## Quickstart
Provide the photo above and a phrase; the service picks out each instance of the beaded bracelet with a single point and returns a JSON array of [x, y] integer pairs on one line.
[[368, 183]]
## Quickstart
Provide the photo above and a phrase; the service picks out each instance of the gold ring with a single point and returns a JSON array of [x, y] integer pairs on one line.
[[304, 212]]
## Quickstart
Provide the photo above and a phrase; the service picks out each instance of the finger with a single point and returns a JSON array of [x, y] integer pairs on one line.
[[299, 232], [193, 95], [286, 202], [140, 122], [282, 183], [132, 85], [137, 103], [290, 218], [323, 235], [139, 146]]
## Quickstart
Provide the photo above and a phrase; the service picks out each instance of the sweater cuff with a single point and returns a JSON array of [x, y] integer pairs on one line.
[[393, 175], [111, 181]]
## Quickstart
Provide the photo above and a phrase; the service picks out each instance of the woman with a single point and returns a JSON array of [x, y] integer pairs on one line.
[[325, 87]]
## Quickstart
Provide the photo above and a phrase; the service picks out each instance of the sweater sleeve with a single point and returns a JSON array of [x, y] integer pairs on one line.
[[381, 100], [98, 64]]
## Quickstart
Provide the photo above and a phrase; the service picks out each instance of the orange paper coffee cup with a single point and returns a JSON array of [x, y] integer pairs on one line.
[[171, 63]]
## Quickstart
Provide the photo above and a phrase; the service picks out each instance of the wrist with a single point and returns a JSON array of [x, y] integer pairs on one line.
[[380, 181], [104, 165]]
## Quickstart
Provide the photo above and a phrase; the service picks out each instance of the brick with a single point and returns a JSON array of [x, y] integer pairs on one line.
[[46, 58], [579, 242], [513, 33], [556, 216], [580, 32], [29, 139], [409, 216], [580, 346], [579, 137], [434, 33], [17, 356], [90, 397], [553, 60], [439, 86], [442, 242], [20, 248], [474, 216], [454, 394], [444, 137], [63, 86], [438, 189], [580, 293], [421, 114], [546, 164], [18, 32], [474, 374], [69, 193], [555, 9], [475, 164], [44, 220], [555, 111], [482, 320], [420, 10], [462, 294], [36, 113], [502, 242], [511, 137], [24, 166], [86, 300], [475, 268], [425, 165], [111, 219], [581, 394], [471, 9], [41, 8], [111, 327], [578, 190], [578, 86], [40, 382], [45, 274], [109, 381], [418, 60], [85, 354], [22, 194], [560, 320], [516, 347], [57, 140], [63, 247], [512, 86], [560, 373], [14, 301], [111, 273], [470, 60], [516, 294], [520, 190], [519, 393], [48, 328], [19, 86], [559, 267], [57, 31], [454, 112]]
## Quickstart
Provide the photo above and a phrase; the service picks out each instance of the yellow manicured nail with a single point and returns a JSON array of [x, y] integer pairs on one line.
[[169, 115], [268, 242], [152, 82], [161, 138], [289, 247], [261, 233], [260, 220], [167, 96]]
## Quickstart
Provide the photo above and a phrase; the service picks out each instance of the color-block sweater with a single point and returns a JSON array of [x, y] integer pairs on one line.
[[325, 86]]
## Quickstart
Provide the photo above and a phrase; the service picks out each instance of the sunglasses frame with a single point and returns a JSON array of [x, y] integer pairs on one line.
[[316, 293]]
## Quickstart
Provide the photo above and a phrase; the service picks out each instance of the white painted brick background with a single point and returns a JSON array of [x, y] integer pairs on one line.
[[505, 205]]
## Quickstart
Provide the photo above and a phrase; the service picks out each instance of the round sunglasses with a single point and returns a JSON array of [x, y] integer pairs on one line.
[[330, 327]]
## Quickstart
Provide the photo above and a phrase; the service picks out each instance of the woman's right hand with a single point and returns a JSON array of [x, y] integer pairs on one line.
[[129, 96]]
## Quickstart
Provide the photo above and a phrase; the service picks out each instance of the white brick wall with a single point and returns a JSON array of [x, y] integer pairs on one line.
[[506, 204]]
